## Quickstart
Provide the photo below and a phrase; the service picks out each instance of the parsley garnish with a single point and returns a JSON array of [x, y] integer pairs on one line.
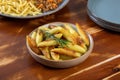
[[61, 42]]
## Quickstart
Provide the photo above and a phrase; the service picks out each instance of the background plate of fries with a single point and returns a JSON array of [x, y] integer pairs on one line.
[[27, 9], [59, 44]]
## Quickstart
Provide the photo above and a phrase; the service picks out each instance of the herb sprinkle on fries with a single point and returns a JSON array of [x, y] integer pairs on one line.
[[58, 42]]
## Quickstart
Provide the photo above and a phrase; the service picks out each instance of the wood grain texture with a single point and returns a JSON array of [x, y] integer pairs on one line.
[[17, 64]]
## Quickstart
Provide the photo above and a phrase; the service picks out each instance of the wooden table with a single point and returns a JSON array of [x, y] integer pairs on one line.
[[17, 64]]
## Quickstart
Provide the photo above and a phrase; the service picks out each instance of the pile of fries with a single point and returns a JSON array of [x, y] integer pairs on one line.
[[19, 7], [58, 42], [27, 7]]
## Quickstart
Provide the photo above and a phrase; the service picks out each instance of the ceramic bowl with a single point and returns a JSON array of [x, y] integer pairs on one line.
[[62, 63], [105, 13]]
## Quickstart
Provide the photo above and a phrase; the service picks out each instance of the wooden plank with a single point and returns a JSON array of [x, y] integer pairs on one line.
[[115, 76], [17, 64], [99, 70]]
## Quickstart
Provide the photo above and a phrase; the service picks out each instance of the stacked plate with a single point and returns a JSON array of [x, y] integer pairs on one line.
[[105, 13]]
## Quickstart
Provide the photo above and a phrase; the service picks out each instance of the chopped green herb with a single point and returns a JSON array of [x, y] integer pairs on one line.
[[61, 42]]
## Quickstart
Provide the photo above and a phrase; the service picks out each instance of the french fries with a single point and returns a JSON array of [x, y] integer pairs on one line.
[[19, 7], [32, 45], [55, 56], [39, 37], [45, 52], [47, 43], [65, 51], [82, 34], [55, 41], [76, 48]]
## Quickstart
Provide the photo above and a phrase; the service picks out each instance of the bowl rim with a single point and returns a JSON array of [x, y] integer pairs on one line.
[[87, 52], [63, 4]]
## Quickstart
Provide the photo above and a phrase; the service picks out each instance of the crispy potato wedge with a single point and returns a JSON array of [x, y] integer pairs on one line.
[[55, 56], [45, 52], [59, 35], [33, 35], [82, 34], [43, 28], [76, 47], [47, 43], [32, 45], [55, 30], [65, 51], [39, 37], [74, 34], [80, 42], [66, 34], [70, 29]]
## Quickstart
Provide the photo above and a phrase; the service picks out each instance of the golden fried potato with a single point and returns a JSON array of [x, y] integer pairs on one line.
[[66, 34], [59, 35], [47, 43], [70, 29], [65, 51], [82, 34], [59, 42], [39, 37], [79, 41], [45, 51], [32, 45], [76, 47], [43, 28], [55, 30], [55, 56], [33, 35]]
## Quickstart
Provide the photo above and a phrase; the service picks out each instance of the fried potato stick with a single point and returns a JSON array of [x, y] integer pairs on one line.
[[76, 47], [58, 35], [43, 28], [32, 45], [55, 56], [33, 35], [70, 29], [55, 30], [47, 43], [45, 51], [65, 51], [39, 37], [82, 34]]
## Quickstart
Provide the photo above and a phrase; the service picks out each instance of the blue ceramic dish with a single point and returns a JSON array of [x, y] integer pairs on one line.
[[104, 24], [105, 13]]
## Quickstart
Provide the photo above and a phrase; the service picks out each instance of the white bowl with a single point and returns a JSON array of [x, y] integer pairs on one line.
[[62, 63]]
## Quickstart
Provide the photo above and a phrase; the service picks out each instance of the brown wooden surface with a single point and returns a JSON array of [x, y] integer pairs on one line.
[[17, 64]]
